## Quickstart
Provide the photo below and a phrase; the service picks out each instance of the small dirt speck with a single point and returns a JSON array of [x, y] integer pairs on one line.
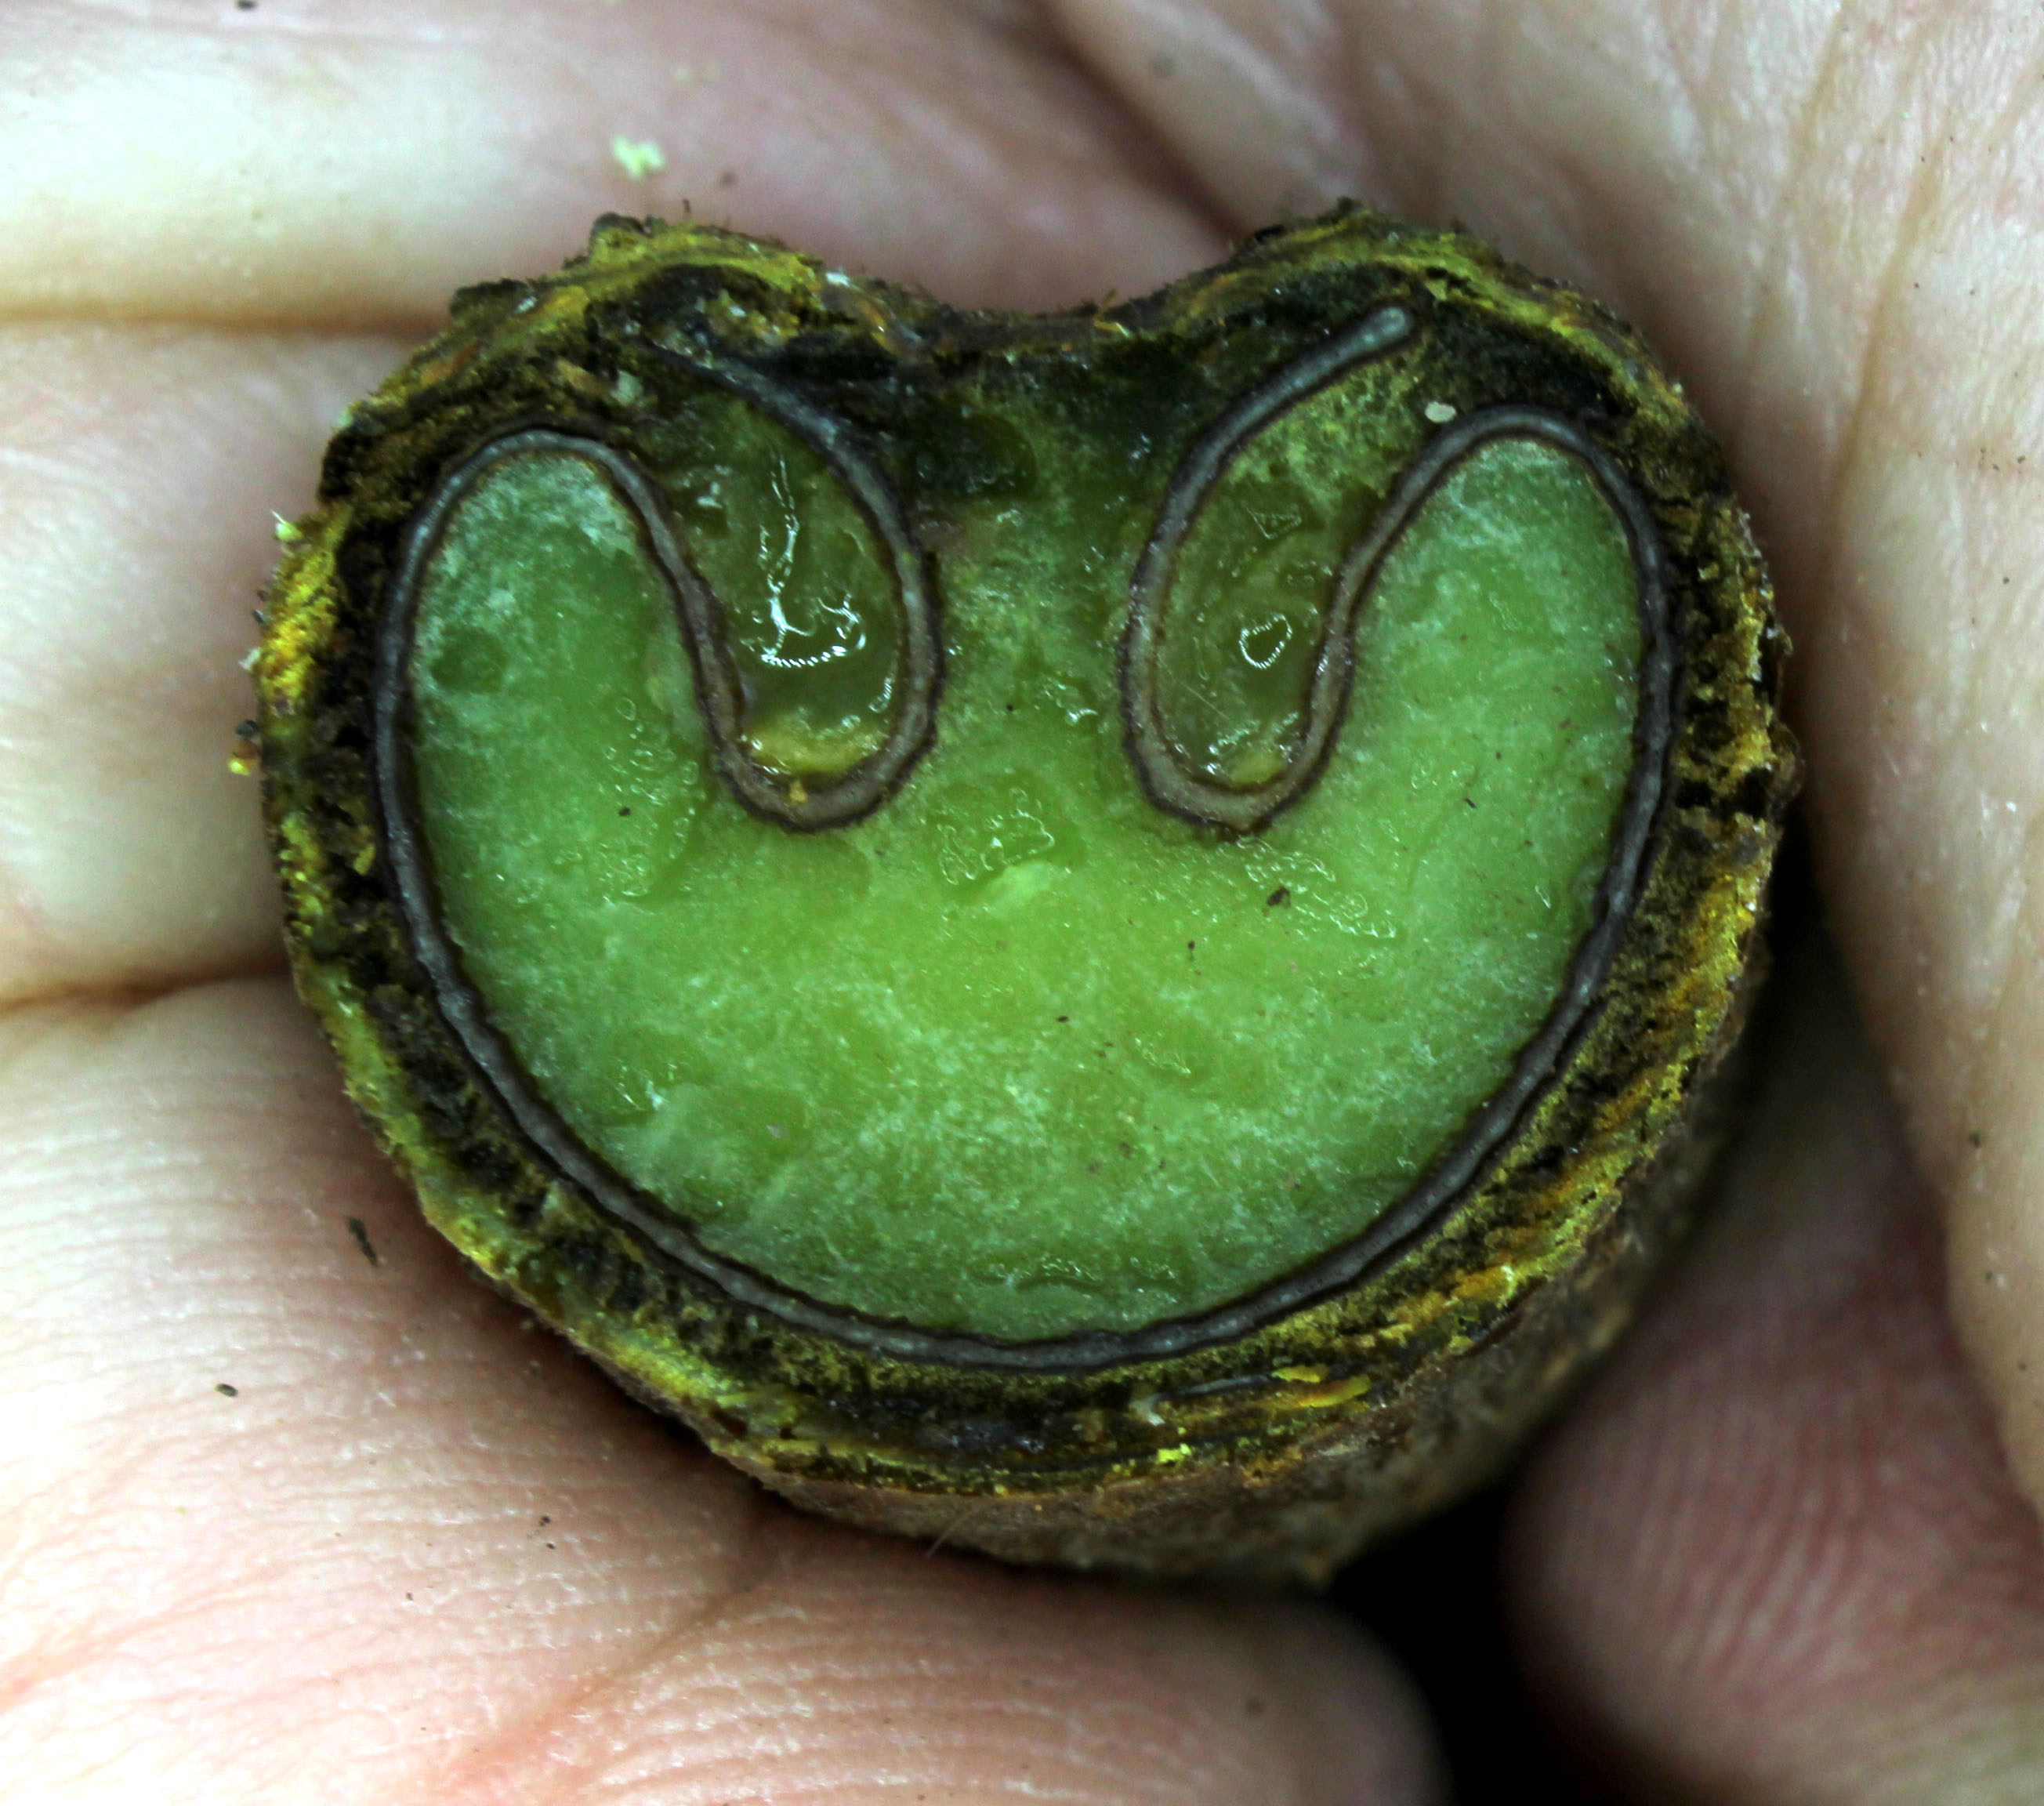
[[359, 1229], [1278, 898]]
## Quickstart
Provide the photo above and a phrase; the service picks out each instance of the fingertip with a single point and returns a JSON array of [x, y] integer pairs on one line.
[[1776, 1547], [1344, 1710]]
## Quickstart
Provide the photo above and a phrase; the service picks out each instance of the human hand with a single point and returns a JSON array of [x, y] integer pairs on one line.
[[420, 1553]]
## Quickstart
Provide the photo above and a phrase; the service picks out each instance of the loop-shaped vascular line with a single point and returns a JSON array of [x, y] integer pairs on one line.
[[1169, 780], [802, 800]]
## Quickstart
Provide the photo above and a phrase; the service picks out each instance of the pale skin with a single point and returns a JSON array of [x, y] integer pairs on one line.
[[1783, 1551]]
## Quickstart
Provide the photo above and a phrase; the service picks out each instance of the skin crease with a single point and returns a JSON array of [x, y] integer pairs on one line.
[[1774, 1556]]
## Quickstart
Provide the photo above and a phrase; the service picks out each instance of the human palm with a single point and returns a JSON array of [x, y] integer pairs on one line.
[[418, 1553]]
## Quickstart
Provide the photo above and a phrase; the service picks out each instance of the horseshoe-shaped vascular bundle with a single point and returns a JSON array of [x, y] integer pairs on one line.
[[1166, 776]]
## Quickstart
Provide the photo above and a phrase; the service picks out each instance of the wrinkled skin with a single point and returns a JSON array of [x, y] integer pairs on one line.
[[1780, 1552]]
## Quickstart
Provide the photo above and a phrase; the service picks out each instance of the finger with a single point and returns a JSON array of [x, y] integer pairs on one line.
[[307, 163], [141, 472], [140, 468], [1828, 217], [1775, 1556], [416, 1552]]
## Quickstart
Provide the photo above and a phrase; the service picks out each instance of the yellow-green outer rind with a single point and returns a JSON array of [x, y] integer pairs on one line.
[[1276, 1454]]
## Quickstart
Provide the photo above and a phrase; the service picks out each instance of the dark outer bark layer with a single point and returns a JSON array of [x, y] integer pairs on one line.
[[1281, 1452]]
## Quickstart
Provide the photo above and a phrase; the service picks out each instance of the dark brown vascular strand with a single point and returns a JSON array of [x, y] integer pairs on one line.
[[808, 803], [1460, 1167], [1170, 782], [803, 804], [1168, 777]]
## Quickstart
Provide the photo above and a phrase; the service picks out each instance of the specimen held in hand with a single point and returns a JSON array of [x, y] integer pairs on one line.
[[1095, 934]]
